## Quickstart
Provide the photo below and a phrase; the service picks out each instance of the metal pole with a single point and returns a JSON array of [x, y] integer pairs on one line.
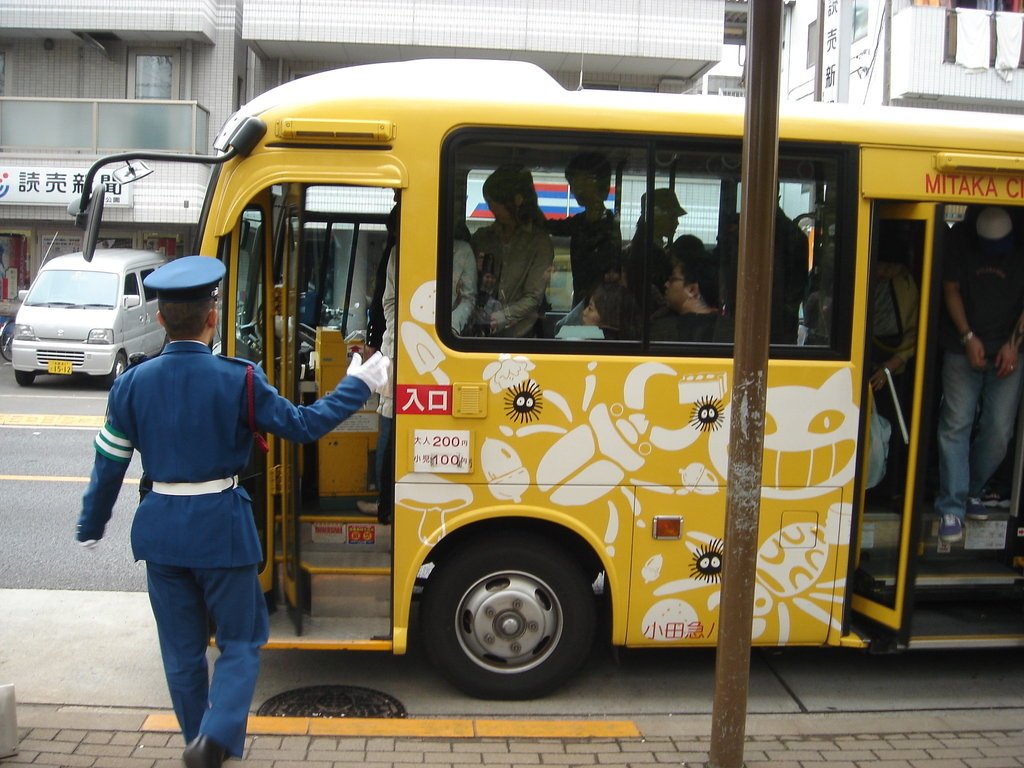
[[750, 373]]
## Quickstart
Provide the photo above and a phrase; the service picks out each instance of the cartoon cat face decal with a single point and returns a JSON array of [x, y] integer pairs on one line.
[[810, 439]]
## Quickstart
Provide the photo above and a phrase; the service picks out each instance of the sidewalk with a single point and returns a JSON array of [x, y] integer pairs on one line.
[[121, 738]]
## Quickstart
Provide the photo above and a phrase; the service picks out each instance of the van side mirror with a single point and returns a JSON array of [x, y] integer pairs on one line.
[[131, 301], [23, 294], [89, 218]]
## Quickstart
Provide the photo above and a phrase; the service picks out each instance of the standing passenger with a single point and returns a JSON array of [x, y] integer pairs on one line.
[[595, 240], [191, 415], [654, 262], [520, 248], [983, 289]]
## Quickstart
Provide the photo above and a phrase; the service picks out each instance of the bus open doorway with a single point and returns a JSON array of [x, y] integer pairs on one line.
[[912, 587]]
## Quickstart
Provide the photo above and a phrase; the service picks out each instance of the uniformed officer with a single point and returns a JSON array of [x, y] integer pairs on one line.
[[187, 413]]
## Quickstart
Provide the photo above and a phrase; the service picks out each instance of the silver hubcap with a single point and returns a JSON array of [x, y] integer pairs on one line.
[[509, 622]]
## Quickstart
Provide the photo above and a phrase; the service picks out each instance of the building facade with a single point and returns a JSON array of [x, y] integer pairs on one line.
[[78, 81]]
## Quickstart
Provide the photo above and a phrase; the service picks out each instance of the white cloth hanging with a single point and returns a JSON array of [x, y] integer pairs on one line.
[[1008, 42], [973, 39]]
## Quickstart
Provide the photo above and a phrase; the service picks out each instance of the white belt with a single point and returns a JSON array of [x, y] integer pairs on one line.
[[195, 489]]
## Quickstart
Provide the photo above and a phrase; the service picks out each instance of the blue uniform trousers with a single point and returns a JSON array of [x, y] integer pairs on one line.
[[180, 598]]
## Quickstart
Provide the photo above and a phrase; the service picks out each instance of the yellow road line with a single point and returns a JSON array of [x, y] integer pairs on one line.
[[56, 479], [425, 727], [49, 420]]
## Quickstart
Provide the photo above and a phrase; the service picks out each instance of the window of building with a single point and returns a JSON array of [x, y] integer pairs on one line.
[[812, 45], [3, 73], [860, 19], [153, 74]]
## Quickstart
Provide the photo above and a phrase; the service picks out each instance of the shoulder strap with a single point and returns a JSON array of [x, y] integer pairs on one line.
[[261, 442]]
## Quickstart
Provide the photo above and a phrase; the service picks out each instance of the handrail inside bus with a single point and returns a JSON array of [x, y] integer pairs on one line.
[[897, 407]]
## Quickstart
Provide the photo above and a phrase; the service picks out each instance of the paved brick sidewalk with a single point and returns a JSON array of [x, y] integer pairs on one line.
[[117, 739]]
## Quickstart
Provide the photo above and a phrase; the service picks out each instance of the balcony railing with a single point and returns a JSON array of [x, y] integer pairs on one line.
[[99, 126]]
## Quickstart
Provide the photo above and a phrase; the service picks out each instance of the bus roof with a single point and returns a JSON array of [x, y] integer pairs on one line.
[[492, 92]]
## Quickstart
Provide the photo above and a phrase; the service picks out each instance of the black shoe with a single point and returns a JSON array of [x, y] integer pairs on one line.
[[203, 752]]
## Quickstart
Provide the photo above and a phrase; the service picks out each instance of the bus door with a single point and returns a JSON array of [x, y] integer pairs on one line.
[[912, 588], [246, 337], [285, 329], [897, 427], [334, 562]]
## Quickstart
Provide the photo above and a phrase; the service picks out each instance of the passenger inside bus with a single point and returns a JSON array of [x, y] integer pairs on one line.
[[375, 333], [464, 279], [895, 306], [666, 212], [686, 316], [520, 248], [983, 292], [595, 241], [610, 313]]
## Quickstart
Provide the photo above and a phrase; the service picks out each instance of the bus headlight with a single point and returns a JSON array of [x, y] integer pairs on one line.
[[101, 336], [24, 332]]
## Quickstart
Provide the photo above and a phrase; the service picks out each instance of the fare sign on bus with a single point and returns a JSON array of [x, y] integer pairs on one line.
[[442, 451]]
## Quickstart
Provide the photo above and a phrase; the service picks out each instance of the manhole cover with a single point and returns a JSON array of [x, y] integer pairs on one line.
[[332, 701]]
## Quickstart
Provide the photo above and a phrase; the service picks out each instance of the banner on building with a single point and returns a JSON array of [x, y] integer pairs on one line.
[[29, 185]]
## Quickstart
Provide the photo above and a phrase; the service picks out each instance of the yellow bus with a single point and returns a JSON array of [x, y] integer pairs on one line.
[[551, 486]]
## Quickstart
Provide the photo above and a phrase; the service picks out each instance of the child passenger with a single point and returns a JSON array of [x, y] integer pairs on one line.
[[610, 313]]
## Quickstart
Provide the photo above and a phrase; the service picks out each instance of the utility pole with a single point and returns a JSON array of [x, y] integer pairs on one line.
[[750, 373]]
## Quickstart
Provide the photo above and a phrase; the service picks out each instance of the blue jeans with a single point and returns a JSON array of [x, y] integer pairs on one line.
[[965, 466]]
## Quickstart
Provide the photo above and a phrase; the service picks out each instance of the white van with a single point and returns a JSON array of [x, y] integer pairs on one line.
[[87, 316]]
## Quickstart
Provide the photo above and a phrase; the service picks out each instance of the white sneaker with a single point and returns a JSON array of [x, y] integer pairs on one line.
[[367, 507]]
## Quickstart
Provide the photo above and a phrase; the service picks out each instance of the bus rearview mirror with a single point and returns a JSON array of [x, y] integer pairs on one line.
[[88, 218]]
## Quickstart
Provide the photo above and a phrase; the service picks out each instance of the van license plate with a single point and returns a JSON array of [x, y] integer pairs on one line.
[[59, 366]]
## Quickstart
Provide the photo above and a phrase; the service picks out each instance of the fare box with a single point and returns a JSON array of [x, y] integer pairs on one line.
[[442, 451]]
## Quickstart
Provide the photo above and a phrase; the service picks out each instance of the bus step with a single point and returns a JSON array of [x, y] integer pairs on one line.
[[979, 535], [346, 561], [334, 534], [349, 595], [359, 633], [967, 576]]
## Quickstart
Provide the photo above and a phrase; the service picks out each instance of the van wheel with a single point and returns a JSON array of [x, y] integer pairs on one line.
[[25, 378], [120, 366], [511, 618]]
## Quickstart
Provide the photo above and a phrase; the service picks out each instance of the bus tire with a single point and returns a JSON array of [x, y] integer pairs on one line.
[[508, 619]]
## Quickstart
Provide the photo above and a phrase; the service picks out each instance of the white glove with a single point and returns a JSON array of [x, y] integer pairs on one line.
[[373, 373], [89, 544]]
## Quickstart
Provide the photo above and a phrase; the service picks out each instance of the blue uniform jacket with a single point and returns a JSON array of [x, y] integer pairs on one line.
[[186, 412]]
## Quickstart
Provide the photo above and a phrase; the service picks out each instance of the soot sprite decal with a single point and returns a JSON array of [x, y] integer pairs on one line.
[[707, 414], [707, 562], [523, 403]]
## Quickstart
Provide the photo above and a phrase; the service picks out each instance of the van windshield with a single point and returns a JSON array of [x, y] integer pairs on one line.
[[73, 288]]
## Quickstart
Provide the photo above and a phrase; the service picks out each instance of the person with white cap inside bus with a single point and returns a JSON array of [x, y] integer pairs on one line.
[[983, 292], [193, 417]]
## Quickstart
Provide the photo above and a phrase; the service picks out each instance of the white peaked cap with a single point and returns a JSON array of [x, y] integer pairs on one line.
[[994, 224]]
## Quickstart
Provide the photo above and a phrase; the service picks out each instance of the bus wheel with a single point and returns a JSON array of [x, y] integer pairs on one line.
[[508, 619]]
